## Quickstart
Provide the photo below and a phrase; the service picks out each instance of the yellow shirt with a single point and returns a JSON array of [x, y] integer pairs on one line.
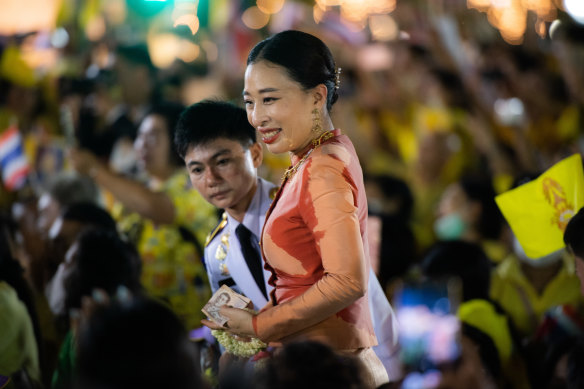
[[18, 347], [172, 268], [511, 289]]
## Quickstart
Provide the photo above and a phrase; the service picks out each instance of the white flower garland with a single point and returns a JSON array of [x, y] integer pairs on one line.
[[239, 347]]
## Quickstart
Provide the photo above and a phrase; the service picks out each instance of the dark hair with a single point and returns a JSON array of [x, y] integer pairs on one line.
[[306, 58], [136, 54], [481, 190], [170, 113], [102, 261], [574, 234], [395, 188], [89, 214], [208, 120], [310, 364], [460, 259], [486, 349], [569, 31], [575, 375], [137, 344]]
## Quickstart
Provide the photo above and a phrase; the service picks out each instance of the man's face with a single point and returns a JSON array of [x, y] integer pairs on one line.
[[224, 172]]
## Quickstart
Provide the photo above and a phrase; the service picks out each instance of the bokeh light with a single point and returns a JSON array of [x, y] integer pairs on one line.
[[575, 8], [510, 16], [191, 21], [163, 49], [254, 18], [95, 28], [383, 27], [211, 50], [188, 51], [270, 6], [37, 15]]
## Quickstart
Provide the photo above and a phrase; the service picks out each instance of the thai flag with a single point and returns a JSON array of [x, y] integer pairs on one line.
[[12, 159]]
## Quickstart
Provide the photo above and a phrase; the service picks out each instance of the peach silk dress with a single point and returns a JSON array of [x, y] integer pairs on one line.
[[314, 242]]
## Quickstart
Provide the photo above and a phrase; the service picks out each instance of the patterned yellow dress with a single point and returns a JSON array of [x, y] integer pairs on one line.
[[172, 266]]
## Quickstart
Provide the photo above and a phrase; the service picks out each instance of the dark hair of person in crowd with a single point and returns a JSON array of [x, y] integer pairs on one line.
[[208, 120], [136, 54], [101, 260], [574, 234], [308, 365], [89, 214], [391, 199], [569, 31], [575, 373], [136, 344], [170, 113], [461, 259], [306, 58], [481, 190], [486, 349], [395, 189]]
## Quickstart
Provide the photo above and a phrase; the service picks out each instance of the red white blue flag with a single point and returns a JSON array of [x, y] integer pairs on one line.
[[13, 161]]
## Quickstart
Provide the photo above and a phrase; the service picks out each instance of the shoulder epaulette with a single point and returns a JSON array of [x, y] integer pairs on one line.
[[217, 229]]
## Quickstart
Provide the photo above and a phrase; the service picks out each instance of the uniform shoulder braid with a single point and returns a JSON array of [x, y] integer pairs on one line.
[[217, 229]]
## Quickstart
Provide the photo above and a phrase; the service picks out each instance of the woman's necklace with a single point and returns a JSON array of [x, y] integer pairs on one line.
[[315, 143]]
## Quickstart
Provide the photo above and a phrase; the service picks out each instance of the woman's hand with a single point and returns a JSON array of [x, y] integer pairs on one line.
[[239, 323]]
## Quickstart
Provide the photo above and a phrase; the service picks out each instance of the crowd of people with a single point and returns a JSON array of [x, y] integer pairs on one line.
[[315, 183]]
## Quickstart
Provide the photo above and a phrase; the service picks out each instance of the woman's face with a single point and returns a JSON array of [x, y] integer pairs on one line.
[[152, 144], [279, 108]]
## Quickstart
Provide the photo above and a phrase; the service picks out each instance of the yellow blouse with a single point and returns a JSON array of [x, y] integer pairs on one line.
[[172, 267]]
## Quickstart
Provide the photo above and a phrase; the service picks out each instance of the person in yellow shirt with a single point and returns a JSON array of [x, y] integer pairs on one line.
[[163, 217], [527, 288]]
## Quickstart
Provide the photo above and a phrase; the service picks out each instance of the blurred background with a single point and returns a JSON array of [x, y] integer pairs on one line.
[[448, 103], [430, 90]]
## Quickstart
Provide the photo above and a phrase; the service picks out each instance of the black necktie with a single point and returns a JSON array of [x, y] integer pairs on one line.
[[252, 256]]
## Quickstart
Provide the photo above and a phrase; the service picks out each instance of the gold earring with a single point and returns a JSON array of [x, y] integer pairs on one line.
[[316, 126]]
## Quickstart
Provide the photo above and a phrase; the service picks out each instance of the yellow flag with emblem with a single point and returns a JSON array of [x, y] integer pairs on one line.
[[539, 210]]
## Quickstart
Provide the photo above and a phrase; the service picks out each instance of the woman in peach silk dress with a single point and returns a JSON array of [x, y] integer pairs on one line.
[[314, 238]]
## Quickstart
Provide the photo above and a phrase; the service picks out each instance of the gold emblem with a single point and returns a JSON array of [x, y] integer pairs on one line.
[[223, 269], [273, 192], [217, 229], [556, 196], [221, 252]]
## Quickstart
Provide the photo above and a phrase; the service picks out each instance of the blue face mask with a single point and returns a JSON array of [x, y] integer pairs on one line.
[[449, 227]]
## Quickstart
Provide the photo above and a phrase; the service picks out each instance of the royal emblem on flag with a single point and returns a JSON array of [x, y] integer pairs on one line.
[[539, 210]]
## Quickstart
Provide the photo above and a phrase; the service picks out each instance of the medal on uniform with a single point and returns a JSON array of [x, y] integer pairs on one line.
[[221, 252]]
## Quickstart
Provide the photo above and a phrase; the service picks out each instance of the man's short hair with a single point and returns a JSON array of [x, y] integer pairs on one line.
[[209, 120]]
